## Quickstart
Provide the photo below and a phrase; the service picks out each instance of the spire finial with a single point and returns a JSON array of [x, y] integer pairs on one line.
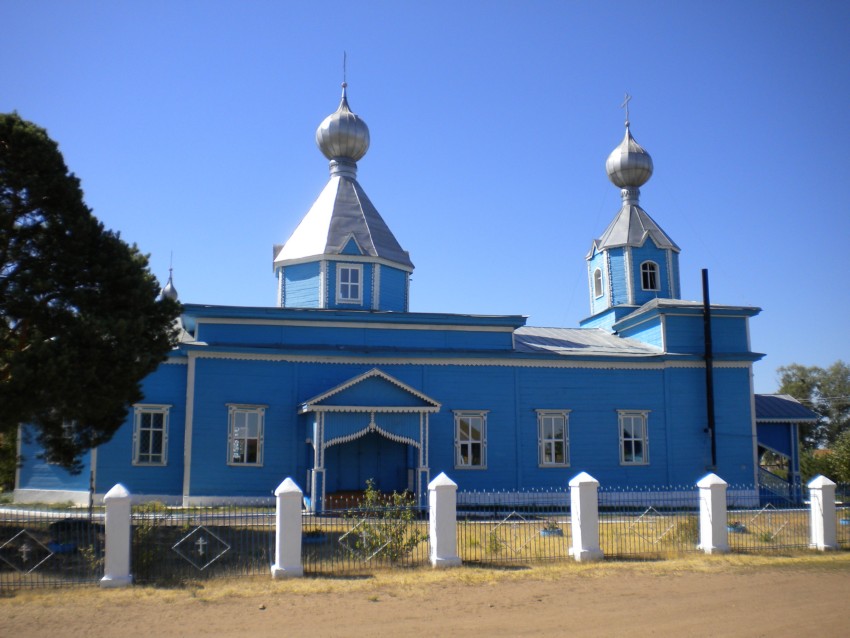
[[625, 105], [344, 69]]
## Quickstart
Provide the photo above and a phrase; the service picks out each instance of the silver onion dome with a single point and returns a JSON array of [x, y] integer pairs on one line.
[[168, 291], [629, 165], [343, 137]]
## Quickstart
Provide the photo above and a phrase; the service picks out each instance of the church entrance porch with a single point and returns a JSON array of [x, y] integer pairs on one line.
[[370, 427]]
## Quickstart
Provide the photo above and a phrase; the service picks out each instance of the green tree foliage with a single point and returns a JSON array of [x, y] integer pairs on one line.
[[823, 390], [80, 324]]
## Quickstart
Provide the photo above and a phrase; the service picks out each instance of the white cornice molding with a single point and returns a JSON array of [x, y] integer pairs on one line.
[[476, 362]]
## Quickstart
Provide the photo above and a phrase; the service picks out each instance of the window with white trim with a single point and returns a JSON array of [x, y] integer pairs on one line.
[[150, 434], [349, 283], [470, 439], [597, 282], [649, 276], [245, 434], [553, 436], [634, 438]]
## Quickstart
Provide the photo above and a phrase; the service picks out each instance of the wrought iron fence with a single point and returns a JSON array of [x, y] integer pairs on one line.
[[774, 525], [509, 527], [42, 547], [172, 545], [648, 523], [842, 511], [356, 535]]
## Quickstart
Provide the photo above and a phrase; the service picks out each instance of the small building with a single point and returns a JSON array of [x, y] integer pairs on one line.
[[340, 383]]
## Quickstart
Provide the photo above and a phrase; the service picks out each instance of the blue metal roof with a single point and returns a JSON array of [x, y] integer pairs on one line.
[[782, 408]]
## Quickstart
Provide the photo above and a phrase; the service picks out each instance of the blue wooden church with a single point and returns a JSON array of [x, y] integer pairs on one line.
[[340, 383]]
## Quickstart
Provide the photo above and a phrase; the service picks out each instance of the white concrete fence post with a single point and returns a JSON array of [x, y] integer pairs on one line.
[[713, 530], [823, 527], [287, 536], [584, 513], [117, 531], [442, 521]]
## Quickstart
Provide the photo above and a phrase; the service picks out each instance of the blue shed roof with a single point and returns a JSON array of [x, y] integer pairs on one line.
[[782, 408]]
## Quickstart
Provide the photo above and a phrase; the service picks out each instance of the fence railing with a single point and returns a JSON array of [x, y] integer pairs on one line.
[[157, 544], [508, 527], [648, 523], [42, 547], [171, 545], [354, 537]]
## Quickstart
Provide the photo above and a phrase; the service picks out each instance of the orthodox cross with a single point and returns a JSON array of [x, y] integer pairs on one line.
[[625, 105], [201, 543]]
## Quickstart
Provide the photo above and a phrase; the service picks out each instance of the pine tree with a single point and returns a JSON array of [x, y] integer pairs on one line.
[[80, 323]]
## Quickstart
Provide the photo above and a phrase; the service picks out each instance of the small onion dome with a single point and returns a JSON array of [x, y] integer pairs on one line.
[[628, 165], [168, 291], [343, 135]]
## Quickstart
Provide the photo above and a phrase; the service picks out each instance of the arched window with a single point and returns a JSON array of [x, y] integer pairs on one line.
[[649, 275], [597, 282]]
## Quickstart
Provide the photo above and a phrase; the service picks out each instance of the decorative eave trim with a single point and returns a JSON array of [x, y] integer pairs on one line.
[[176, 361], [372, 427], [386, 409], [366, 259], [309, 405]]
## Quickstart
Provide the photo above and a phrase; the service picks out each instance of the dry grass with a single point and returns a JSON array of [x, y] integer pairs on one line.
[[409, 582]]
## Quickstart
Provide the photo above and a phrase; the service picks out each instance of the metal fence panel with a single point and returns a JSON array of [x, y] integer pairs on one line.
[[510, 527], [173, 545], [353, 536], [648, 523], [41, 547], [772, 525]]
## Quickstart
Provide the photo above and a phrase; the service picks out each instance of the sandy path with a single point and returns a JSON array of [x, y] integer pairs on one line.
[[735, 602]]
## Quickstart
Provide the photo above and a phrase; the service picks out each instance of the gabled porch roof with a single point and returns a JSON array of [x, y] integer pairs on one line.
[[359, 394]]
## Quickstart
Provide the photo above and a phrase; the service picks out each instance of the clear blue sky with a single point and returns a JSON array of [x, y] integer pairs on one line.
[[191, 126]]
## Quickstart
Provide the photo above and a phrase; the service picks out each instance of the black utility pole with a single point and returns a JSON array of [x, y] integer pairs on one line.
[[709, 367]]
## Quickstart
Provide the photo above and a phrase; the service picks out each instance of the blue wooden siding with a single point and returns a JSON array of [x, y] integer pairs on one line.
[[38, 475], [351, 248], [619, 293], [167, 386], [649, 332], [685, 333], [649, 252], [776, 436], [393, 291], [270, 335], [676, 293], [302, 285]]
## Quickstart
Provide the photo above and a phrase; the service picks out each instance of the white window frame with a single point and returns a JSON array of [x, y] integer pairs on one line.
[[141, 433], [348, 297], [546, 440], [598, 286], [650, 270], [464, 443], [237, 446], [627, 418]]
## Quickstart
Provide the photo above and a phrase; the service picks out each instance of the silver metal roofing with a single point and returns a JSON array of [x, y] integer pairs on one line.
[[342, 211], [168, 291], [579, 341], [632, 227], [782, 408], [629, 165], [343, 134]]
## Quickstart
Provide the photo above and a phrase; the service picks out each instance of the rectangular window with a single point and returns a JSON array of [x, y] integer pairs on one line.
[[245, 437], [649, 275], [470, 440], [150, 434], [553, 437], [349, 283], [634, 438]]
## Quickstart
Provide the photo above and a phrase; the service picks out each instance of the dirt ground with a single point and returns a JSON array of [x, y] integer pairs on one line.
[[722, 597]]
